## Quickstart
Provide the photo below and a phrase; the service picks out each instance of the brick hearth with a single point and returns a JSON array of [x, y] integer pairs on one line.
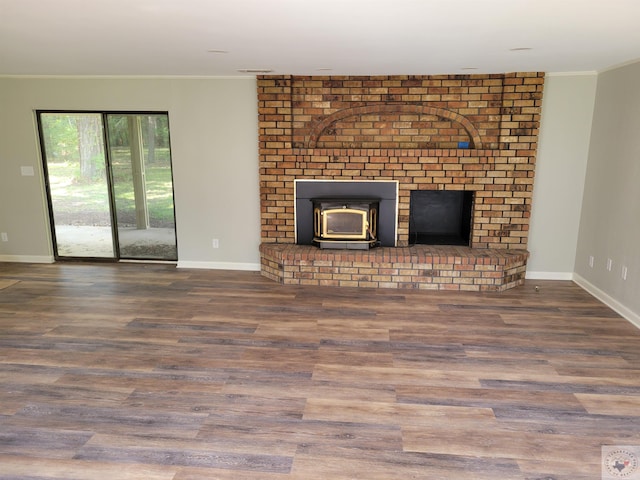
[[420, 266], [448, 132]]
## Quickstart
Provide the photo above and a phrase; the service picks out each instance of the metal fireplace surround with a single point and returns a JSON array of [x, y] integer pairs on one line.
[[382, 195]]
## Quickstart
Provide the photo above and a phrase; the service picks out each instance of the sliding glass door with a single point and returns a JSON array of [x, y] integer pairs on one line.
[[140, 160], [73, 149], [109, 184]]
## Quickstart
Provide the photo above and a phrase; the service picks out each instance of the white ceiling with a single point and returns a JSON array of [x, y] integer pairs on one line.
[[305, 37]]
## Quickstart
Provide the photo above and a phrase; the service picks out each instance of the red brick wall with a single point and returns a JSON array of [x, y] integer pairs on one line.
[[404, 128]]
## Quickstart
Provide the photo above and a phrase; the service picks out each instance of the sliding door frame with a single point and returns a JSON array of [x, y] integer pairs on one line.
[[109, 177]]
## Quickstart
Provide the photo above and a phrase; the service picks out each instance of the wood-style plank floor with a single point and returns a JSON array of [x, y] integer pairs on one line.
[[132, 371]]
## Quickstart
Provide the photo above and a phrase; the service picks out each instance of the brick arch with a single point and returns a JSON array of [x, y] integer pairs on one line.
[[319, 128]]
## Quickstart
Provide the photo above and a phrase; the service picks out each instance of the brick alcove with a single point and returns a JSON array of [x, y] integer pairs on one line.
[[408, 129]]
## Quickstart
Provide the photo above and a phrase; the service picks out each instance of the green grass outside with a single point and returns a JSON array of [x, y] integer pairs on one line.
[[74, 196]]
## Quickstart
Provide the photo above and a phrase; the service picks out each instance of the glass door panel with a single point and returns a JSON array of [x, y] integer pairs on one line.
[[73, 150], [142, 181]]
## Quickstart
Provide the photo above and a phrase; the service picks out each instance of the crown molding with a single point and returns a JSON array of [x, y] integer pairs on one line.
[[131, 77]]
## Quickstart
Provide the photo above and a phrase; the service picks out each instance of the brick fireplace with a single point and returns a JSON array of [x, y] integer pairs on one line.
[[474, 133]]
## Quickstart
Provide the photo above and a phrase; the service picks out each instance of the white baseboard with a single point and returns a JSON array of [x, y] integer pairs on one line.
[[605, 298], [549, 275], [27, 258], [254, 267]]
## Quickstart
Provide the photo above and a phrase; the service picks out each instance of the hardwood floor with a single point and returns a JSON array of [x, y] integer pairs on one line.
[[131, 371]]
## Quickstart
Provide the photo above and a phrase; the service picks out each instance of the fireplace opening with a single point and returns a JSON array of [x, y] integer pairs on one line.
[[439, 217], [378, 199]]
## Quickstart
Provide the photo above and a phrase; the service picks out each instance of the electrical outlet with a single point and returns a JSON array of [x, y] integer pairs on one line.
[[4, 236], [624, 272], [215, 243], [27, 171], [609, 264], [591, 261]]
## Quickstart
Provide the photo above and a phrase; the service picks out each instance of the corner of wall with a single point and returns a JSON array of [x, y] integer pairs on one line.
[[608, 300]]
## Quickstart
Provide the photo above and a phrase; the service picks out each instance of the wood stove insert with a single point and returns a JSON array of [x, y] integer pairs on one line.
[[381, 191], [345, 222]]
